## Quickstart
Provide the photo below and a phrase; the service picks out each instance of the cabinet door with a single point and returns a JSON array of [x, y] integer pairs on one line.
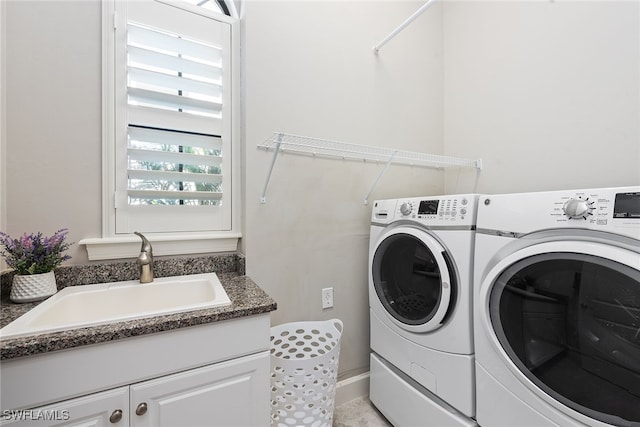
[[232, 393], [99, 410]]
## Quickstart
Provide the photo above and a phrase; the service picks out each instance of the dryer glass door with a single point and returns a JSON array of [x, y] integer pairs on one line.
[[570, 322], [412, 279]]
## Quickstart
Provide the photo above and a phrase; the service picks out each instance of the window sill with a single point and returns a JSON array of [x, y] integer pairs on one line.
[[163, 244]]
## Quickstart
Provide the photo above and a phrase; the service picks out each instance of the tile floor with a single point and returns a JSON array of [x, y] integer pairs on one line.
[[358, 413]]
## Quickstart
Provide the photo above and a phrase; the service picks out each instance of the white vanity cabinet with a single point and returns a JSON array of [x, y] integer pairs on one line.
[[208, 375], [231, 393]]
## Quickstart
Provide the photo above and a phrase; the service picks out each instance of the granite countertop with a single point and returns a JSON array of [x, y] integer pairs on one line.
[[246, 297]]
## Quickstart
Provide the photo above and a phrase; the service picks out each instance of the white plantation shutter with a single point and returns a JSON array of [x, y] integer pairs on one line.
[[174, 127]]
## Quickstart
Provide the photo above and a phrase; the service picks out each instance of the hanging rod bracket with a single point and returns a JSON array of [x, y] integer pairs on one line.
[[402, 26]]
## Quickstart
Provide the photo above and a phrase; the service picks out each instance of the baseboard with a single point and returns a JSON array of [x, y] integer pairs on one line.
[[352, 388]]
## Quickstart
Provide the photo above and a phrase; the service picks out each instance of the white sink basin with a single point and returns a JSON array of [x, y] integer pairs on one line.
[[90, 305]]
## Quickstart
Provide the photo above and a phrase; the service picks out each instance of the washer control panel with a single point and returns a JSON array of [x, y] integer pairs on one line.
[[429, 210]]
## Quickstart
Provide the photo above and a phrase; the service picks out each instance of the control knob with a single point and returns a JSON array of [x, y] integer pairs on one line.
[[578, 208], [406, 208]]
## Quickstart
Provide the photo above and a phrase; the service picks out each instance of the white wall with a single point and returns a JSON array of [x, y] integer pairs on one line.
[[310, 70], [547, 93], [53, 108]]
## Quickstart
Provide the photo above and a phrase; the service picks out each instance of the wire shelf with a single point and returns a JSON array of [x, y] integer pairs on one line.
[[287, 143], [304, 145]]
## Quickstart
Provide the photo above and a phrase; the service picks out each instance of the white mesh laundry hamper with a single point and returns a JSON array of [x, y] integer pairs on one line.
[[304, 368]]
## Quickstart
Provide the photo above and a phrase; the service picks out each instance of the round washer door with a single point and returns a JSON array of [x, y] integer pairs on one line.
[[567, 316], [412, 278]]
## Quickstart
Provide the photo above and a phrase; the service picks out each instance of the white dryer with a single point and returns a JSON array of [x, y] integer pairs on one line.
[[557, 308], [420, 299]]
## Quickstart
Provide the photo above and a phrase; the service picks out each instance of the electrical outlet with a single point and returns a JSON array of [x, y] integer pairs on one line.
[[327, 298]]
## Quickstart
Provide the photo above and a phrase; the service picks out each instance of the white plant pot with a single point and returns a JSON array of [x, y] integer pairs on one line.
[[33, 287]]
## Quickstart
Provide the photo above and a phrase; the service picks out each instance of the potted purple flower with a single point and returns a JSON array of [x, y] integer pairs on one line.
[[34, 257]]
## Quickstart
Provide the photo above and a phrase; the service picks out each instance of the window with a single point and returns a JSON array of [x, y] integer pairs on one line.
[[171, 134], [218, 6]]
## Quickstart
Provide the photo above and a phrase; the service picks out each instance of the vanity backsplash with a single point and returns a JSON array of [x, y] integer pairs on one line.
[[86, 274]]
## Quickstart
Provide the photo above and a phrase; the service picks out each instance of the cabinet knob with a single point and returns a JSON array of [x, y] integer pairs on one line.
[[141, 409], [116, 416]]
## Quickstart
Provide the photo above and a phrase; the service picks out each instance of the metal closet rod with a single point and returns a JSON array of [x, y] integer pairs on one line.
[[402, 26]]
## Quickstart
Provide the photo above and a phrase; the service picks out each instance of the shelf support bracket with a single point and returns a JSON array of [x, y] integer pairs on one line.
[[263, 198], [375, 184]]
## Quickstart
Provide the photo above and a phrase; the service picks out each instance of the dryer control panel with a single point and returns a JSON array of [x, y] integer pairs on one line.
[[429, 210], [598, 207], [615, 210]]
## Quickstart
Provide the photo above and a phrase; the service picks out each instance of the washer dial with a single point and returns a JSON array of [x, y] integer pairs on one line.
[[406, 208]]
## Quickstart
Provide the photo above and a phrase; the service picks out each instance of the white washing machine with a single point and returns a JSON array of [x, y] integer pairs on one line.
[[557, 308], [420, 290]]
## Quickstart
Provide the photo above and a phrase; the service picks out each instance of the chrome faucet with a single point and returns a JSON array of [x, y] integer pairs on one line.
[[145, 260]]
